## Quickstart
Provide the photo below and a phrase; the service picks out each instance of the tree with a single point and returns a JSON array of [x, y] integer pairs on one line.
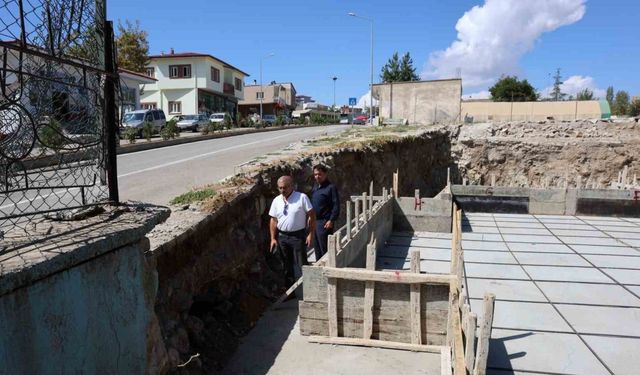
[[634, 107], [621, 103], [396, 70], [557, 93], [509, 88], [133, 47], [609, 96], [585, 94]]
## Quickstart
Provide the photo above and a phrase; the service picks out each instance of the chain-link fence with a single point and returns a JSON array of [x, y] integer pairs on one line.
[[56, 106]]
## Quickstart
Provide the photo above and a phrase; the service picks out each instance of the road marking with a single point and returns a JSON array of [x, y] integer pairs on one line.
[[197, 157], [36, 198]]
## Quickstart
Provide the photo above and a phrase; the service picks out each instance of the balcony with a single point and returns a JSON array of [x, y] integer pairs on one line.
[[228, 88]]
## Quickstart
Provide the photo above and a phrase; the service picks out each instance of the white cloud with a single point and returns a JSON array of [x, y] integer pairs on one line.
[[575, 84], [365, 100], [493, 37], [484, 94]]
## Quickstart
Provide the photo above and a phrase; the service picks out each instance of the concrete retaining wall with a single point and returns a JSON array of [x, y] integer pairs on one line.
[[483, 111], [433, 216], [606, 202]]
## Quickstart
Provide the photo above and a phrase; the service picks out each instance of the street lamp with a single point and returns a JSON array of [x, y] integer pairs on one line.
[[261, 89], [371, 68], [334, 91]]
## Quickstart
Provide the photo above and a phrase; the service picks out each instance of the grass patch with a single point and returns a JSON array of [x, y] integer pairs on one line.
[[193, 196]]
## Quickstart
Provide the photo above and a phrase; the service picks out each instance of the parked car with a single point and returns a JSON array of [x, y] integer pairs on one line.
[[268, 120], [217, 117], [193, 122], [360, 120], [136, 119], [346, 118]]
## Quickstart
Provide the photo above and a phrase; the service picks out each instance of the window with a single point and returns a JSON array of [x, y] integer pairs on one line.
[[238, 82], [179, 71], [215, 74], [175, 107], [260, 95], [151, 72], [148, 105]]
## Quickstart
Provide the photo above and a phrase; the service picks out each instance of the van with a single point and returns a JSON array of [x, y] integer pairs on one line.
[[136, 119]]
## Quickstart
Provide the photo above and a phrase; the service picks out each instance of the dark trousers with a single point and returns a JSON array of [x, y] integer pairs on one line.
[[321, 237], [294, 250]]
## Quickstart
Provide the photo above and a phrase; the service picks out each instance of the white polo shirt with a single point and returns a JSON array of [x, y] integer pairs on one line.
[[294, 218]]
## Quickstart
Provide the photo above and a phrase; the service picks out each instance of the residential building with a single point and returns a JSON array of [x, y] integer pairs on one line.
[[190, 83], [301, 100], [277, 98], [130, 82]]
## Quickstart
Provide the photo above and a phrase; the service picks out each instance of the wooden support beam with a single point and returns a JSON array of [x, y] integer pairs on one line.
[[376, 344], [332, 293], [369, 288], [470, 338], [445, 360], [416, 329], [365, 210], [395, 277], [396, 182], [371, 199], [482, 353], [455, 336], [349, 234], [356, 204]]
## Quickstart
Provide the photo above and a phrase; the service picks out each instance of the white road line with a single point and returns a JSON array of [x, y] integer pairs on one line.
[[36, 198], [198, 157]]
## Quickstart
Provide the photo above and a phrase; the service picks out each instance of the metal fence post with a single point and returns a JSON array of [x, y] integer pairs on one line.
[[110, 123]]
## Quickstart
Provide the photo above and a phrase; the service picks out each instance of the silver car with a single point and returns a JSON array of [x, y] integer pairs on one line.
[[136, 119], [193, 122]]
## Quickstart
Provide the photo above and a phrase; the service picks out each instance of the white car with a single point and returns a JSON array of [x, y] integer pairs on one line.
[[217, 117], [192, 122]]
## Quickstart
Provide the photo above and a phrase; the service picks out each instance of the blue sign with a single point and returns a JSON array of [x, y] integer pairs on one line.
[[353, 101]]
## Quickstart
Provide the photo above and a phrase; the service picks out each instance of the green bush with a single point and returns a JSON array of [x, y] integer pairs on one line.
[[51, 135], [147, 131], [228, 121], [130, 135], [170, 130], [279, 120]]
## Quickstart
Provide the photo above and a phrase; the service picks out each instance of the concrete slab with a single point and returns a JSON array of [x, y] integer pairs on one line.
[[481, 245], [631, 277], [481, 237], [579, 274], [539, 247], [590, 241], [551, 259], [479, 229], [612, 250], [619, 354], [602, 320], [515, 219], [498, 271], [533, 231], [615, 261], [428, 266], [499, 257], [542, 352], [274, 346], [514, 290], [635, 235], [420, 242], [524, 316], [569, 226], [618, 223], [635, 289], [579, 233], [530, 238], [404, 252], [514, 224], [616, 228], [595, 294], [431, 235], [634, 243], [598, 218]]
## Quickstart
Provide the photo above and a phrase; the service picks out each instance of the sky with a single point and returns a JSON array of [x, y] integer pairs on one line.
[[595, 43]]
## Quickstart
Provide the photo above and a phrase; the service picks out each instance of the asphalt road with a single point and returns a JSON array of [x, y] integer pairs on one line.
[[158, 175]]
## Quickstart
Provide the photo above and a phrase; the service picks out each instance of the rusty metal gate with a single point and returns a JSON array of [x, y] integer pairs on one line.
[[57, 109]]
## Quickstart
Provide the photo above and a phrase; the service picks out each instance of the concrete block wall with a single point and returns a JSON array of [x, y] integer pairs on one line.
[[434, 215]]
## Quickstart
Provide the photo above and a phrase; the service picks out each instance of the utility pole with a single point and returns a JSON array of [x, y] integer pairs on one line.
[[557, 93], [334, 91]]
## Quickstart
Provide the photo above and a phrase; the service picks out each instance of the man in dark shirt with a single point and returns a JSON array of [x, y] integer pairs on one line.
[[326, 204]]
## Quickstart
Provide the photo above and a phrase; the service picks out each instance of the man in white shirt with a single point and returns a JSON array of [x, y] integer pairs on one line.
[[292, 223]]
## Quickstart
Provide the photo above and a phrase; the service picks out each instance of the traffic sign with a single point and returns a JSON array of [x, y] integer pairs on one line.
[[353, 101]]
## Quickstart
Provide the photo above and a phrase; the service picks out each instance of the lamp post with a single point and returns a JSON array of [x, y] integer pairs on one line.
[[334, 91], [261, 89], [371, 67]]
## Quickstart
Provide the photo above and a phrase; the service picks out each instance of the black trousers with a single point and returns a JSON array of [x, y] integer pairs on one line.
[[321, 237], [294, 249]]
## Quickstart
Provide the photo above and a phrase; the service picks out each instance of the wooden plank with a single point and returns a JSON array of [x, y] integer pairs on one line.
[[367, 330], [445, 361], [331, 250], [332, 306], [482, 353], [454, 335], [348, 203], [470, 340], [416, 330], [365, 210], [395, 277], [357, 214], [375, 344]]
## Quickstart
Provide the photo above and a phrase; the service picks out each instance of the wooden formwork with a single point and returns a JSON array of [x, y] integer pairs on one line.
[[397, 310]]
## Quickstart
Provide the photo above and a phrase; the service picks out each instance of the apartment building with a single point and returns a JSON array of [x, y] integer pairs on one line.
[[277, 98], [190, 83]]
